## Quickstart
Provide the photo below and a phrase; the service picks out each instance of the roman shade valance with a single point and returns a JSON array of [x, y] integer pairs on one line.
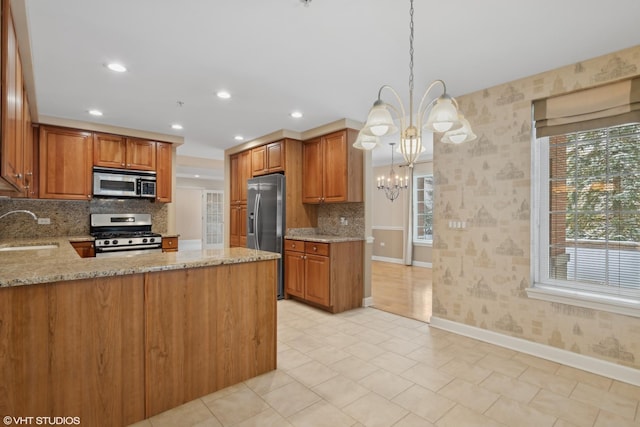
[[603, 106]]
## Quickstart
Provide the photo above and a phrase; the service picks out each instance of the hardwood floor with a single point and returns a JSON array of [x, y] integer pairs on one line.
[[401, 289]]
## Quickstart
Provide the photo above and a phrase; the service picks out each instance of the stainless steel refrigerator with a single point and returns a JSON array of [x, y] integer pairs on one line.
[[266, 218]]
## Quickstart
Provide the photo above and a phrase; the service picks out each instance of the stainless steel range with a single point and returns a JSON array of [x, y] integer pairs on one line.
[[124, 234]]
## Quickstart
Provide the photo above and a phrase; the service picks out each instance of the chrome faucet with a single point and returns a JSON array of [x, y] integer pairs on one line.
[[20, 211]]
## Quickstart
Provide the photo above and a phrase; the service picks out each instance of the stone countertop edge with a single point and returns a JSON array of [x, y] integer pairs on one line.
[[324, 238], [18, 268]]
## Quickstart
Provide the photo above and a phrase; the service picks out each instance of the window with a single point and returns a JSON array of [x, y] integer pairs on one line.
[[588, 241], [423, 209]]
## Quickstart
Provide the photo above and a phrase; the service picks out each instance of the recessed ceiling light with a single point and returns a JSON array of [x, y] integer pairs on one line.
[[296, 114], [176, 126], [239, 138], [95, 112], [196, 176], [223, 94], [118, 68]]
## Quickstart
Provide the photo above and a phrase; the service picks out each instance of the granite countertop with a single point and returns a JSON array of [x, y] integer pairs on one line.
[[63, 262], [323, 238]]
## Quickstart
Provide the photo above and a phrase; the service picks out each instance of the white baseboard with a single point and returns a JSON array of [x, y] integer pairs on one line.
[[367, 302], [422, 264], [385, 259], [401, 261], [565, 357]]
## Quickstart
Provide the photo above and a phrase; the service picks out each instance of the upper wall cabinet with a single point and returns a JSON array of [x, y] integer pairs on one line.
[[12, 168], [164, 154], [65, 163], [115, 151], [332, 169], [268, 158]]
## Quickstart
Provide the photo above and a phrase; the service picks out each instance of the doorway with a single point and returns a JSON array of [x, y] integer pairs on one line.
[[212, 219]]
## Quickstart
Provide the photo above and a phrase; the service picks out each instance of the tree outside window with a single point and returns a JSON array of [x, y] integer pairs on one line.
[[423, 209]]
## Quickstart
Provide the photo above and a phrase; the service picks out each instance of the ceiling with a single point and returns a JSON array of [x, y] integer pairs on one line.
[[326, 60]]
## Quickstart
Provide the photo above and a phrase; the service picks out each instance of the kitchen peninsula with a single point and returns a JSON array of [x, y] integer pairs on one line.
[[117, 340]]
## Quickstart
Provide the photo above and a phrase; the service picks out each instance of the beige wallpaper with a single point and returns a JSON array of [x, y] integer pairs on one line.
[[480, 273]]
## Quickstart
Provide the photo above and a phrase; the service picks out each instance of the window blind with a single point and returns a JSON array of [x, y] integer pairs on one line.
[[603, 106], [594, 209]]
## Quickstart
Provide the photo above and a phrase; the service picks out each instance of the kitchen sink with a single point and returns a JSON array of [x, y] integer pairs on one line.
[[29, 247]]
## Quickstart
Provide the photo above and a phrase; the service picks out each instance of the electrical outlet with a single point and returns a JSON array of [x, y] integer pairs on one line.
[[343, 221], [381, 243], [44, 221]]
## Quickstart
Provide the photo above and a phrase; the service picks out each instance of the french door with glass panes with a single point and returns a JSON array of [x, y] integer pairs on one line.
[[212, 219]]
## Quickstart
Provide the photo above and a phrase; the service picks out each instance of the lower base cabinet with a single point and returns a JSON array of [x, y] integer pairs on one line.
[[74, 349], [326, 275], [170, 244], [113, 351], [84, 249]]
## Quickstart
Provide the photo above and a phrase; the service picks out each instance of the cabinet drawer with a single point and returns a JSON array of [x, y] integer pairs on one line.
[[316, 248], [293, 245]]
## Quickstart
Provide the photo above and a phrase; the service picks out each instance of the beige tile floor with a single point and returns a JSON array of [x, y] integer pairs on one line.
[[367, 367]]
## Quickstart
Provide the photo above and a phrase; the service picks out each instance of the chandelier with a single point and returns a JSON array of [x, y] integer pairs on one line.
[[393, 183], [443, 117]]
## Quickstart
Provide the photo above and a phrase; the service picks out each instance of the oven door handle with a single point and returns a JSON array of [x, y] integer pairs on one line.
[[127, 248]]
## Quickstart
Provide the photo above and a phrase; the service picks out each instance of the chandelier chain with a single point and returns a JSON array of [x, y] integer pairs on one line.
[[411, 62]]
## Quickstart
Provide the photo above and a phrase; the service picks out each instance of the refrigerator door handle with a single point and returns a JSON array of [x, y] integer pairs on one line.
[[256, 218]]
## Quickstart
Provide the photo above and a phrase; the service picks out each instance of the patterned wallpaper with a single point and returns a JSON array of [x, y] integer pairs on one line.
[[481, 272]]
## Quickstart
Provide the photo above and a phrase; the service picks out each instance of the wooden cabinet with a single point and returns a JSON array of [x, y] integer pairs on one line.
[[12, 141], [238, 225], [170, 244], [332, 169], [84, 249], [74, 348], [211, 327], [240, 172], [30, 169], [116, 350], [294, 278], [66, 158], [164, 175], [327, 275], [268, 158], [115, 151]]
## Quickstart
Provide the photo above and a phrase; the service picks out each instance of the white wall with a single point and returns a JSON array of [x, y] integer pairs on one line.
[[188, 203]]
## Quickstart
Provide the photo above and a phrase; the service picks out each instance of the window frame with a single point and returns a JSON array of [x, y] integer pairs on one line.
[[414, 205], [623, 301]]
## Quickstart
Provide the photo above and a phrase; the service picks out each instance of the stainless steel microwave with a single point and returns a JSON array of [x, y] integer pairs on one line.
[[108, 182]]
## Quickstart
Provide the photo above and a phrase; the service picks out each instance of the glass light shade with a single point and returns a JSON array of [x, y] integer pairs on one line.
[[443, 116], [379, 121], [411, 145], [366, 142], [458, 136]]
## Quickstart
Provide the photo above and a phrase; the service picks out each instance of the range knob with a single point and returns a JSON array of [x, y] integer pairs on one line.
[[144, 240], [106, 242], [115, 242], [151, 240], [130, 241]]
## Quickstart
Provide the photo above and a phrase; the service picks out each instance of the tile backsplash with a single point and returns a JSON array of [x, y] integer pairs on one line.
[[70, 218], [329, 222]]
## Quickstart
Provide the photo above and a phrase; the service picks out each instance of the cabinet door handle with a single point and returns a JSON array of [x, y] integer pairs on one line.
[[315, 249], [18, 176]]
